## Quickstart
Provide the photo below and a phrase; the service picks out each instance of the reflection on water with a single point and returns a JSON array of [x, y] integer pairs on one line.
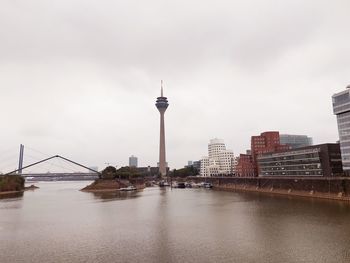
[[11, 196], [115, 195], [58, 223]]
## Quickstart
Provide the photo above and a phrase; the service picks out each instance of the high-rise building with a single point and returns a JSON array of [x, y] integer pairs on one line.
[[219, 162], [341, 108], [296, 141], [162, 105], [132, 161]]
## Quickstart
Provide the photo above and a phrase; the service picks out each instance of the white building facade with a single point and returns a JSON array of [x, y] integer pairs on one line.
[[220, 160]]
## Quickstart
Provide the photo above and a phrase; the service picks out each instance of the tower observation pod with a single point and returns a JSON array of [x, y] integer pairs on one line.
[[162, 105]]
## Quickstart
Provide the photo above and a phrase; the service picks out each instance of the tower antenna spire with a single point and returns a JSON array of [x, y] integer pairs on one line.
[[161, 88]]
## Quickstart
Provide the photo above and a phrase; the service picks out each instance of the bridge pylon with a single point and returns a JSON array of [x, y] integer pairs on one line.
[[20, 161]]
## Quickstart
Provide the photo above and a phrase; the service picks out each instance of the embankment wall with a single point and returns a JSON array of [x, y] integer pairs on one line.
[[321, 187]]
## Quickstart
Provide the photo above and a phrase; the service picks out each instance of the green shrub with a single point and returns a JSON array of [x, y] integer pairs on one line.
[[109, 172]]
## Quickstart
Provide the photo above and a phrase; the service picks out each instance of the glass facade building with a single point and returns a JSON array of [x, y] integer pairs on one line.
[[318, 160], [132, 161], [296, 141], [341, 108]]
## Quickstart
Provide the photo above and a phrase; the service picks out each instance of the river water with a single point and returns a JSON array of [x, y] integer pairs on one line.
[[58, 223]]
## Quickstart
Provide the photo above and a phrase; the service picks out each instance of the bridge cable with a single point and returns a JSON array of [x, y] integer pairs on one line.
[[51, 163], [44, 154]]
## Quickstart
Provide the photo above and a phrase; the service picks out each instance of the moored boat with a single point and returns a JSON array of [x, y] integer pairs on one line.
[[181, 185], [188, 185], [129, 188], [163, 184], [207, 185]]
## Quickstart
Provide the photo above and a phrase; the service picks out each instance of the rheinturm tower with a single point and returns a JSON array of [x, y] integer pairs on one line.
[[162, 105]]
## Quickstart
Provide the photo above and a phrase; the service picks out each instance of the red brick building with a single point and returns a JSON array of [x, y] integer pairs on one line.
[[266, 142], [245, 167]]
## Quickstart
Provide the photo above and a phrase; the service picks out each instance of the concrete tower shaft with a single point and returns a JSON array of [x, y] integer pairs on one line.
[[162, 105]]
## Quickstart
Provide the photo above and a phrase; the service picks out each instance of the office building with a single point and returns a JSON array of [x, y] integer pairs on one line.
[[341, 108], [220, 160], [295, 141], [204, 171], [195, 164], [266, 142], [318, 160], [244, 166], [132, 161]]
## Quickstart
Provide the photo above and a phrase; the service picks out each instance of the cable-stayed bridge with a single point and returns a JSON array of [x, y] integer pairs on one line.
[[58, 167], [60, 176]]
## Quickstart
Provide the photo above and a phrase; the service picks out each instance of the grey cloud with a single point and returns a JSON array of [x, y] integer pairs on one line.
[[83, 75]]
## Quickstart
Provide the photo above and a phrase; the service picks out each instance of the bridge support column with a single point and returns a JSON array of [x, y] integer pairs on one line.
[[20, 162]]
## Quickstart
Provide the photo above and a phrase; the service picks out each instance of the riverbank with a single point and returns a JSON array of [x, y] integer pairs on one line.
[[110, 185], [11, 183], [10, 192], [103, 185], [335, 188]]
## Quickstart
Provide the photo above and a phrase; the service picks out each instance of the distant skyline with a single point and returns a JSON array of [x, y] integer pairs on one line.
[[79, 78]]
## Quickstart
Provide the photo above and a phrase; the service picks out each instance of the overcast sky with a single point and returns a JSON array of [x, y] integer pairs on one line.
[[80, 78]]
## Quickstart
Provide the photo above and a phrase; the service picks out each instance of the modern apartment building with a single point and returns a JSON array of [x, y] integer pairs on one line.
[[341, 108], [319, 160], [295, 141], [220, 160]]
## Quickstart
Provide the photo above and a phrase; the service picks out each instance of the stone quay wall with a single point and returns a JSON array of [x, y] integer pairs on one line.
[[336, 188]]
